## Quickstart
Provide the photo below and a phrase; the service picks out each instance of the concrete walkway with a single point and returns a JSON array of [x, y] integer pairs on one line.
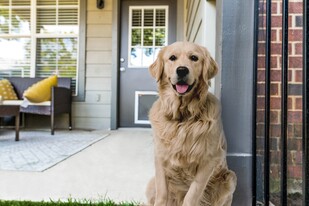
[[117, 168]]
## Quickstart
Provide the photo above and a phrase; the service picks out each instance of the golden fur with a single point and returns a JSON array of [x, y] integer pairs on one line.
[[190, 146]]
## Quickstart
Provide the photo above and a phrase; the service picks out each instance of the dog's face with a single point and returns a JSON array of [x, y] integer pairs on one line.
[[184, 66]]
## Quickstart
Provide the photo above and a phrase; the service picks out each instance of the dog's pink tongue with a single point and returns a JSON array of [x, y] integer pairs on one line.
[[182, 88]]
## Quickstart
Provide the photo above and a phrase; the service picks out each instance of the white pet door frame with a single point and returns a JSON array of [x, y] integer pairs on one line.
[[143, 103]]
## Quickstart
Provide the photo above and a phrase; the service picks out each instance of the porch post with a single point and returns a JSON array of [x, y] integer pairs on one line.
[[235, 29]]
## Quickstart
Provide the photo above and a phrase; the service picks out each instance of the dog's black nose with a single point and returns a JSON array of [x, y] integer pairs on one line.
[[182, 71]]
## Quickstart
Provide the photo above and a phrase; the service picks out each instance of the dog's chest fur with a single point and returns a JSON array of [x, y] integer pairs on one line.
[[183, 146], [180, 141], [184, 143]]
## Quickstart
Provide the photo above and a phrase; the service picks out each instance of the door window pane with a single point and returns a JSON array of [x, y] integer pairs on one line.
[[148, 56], [148, 17], [135, 57], [136, 37], [160, 17], [147, 34], [148, 37], [137, 17], [160, 37]]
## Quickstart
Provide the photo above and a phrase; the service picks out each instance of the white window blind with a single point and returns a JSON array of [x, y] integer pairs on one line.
[[40, 38]]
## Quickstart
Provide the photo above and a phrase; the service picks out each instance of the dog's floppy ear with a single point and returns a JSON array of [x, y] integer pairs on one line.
[[210, 67], [156, 68]]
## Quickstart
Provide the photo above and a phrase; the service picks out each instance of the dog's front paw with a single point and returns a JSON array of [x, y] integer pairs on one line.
[[230, 180]]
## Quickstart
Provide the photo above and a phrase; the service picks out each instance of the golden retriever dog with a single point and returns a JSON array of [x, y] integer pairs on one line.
[[190, 146]]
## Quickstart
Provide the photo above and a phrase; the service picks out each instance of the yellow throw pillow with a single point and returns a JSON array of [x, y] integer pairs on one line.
[[41, 91], [7, 91]]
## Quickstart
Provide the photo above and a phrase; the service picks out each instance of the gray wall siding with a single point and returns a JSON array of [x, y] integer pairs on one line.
[[195, 28], [201, 26], [201, 23], [95, 111], [236, 60]]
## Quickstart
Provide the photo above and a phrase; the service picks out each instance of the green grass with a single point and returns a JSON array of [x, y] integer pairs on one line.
[[70, 202]]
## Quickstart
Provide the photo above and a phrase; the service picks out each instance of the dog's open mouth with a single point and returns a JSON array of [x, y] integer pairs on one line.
[[182, 87]]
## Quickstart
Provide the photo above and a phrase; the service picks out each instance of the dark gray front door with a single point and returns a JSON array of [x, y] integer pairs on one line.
[[146, 27]]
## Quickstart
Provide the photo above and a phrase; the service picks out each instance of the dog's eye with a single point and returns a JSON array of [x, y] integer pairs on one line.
[[194, 58], [173, 58]]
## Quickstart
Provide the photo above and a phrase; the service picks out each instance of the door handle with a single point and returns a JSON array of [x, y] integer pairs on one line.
[[122, 69]]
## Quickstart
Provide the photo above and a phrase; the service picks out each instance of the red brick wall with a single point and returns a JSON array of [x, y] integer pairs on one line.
[[294, 91]]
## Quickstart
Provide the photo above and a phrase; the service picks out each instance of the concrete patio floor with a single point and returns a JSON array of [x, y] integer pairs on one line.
[[117, 168]]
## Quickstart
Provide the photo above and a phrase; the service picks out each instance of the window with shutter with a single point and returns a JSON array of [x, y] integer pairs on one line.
[[39, 38]]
